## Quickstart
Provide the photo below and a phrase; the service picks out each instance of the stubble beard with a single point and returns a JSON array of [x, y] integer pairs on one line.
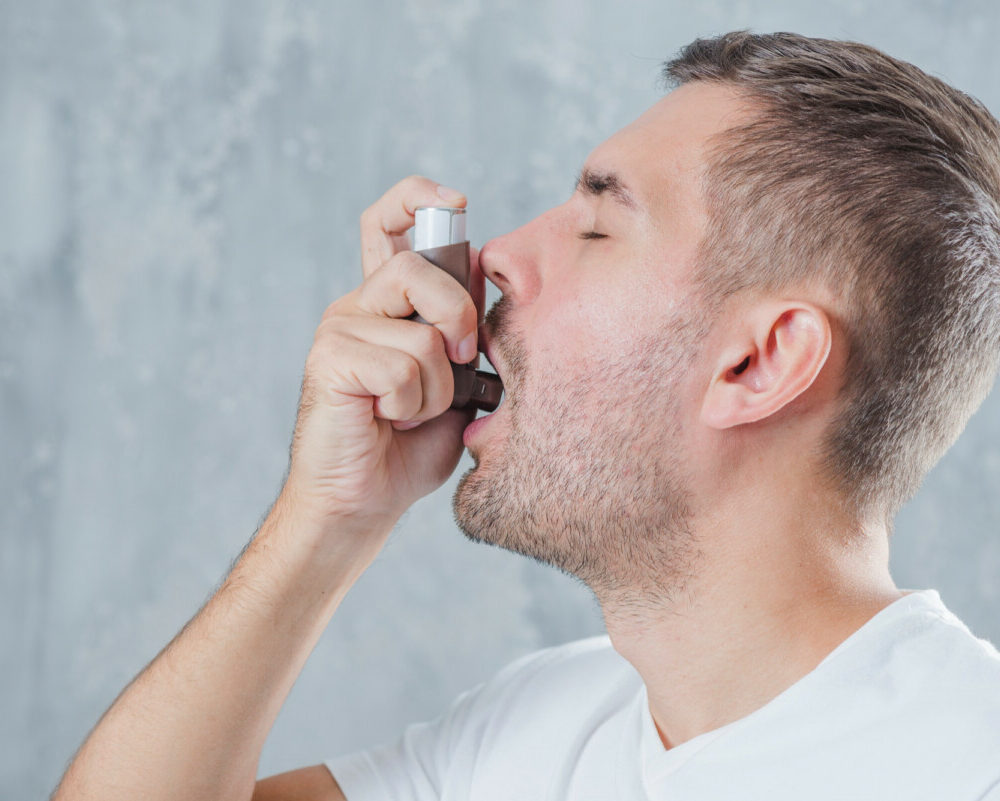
[[589, 477]]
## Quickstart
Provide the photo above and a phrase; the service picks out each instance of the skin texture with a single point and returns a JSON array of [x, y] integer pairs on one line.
[[662, 455]]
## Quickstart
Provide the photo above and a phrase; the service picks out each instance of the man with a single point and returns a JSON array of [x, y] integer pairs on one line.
[[770, 306]]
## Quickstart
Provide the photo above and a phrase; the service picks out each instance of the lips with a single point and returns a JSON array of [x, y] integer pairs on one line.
[[486, 349]]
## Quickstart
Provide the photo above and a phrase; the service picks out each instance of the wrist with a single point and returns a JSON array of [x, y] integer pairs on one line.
[[306, 535]]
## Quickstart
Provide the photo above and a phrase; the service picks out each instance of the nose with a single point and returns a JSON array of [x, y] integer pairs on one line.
[[513, 261]]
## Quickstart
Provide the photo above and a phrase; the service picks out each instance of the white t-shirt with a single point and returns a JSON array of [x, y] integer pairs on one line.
[[905, 709]]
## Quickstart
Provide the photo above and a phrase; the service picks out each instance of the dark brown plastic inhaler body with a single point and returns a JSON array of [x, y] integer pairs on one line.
[[439, 236]]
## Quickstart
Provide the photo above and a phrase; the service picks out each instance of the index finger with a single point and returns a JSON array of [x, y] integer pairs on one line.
[[411, 283], [392, 215]]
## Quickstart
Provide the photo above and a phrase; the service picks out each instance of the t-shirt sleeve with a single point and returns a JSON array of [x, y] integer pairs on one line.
[[418, 765]]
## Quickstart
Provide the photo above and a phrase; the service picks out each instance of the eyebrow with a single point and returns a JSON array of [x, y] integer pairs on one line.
[[595, 184]]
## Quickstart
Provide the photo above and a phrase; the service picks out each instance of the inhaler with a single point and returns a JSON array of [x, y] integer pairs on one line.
[[439, 236]]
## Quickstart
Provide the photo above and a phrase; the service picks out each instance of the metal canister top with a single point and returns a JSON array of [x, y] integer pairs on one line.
[[437, 226]]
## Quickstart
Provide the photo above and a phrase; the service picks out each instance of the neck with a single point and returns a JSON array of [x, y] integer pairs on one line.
[[766, 602]]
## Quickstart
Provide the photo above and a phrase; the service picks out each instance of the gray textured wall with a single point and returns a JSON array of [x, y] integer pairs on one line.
[[181, 184]]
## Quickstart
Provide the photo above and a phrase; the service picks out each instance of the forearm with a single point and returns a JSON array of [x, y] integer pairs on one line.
[[193, 723]]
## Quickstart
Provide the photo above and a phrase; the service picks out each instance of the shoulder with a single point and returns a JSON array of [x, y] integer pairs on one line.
[[564, 669], [918, 653], [523, 711], [943, 687], [960, 669], [938, 705], [563, 682], [943, 647]]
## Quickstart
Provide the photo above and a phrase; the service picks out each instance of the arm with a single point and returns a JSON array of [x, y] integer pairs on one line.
[[305, 784], [193, 723]]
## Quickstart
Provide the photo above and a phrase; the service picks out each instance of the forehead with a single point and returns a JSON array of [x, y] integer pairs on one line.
[[660, 156]]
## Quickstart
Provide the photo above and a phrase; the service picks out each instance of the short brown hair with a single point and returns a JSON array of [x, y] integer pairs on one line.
[[865, 173]]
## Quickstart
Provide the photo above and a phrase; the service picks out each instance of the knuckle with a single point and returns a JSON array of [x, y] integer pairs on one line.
[[323, 348], [409, 259], [404, 371], [322, 335], [414, 181], [326, 330], [427, 341], [407, 266], [326, 353], [331, 311]]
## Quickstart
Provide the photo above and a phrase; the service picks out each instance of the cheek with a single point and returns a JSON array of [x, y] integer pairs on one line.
[[582, 328], [567, 331]]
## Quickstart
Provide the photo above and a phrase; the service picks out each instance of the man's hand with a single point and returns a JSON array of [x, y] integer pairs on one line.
[[193, 723], [374, 430]]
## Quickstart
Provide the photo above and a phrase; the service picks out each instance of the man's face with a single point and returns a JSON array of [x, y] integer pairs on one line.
[[584, 465]]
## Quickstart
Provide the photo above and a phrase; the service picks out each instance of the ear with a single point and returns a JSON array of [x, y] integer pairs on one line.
[[770, 359]]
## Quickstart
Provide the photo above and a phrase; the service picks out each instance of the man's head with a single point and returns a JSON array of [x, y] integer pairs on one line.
[[865, 175], [797, 286]]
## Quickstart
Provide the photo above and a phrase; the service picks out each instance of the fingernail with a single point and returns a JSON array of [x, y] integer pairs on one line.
[[449, 194], [467, 348], [407, 425]]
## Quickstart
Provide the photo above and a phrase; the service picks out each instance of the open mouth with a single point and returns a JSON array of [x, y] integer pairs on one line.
[[491, 389], [491, 377]]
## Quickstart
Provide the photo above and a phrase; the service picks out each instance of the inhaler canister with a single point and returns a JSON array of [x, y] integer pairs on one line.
[[439, 236], [437, 226]]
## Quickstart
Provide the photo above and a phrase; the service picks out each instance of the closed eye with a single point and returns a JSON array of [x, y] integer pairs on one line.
[[592, 235]]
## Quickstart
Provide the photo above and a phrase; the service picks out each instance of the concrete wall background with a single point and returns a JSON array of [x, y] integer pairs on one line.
[[181, 185]]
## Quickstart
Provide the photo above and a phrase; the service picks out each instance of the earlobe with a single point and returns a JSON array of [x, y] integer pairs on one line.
[[775, 357]]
